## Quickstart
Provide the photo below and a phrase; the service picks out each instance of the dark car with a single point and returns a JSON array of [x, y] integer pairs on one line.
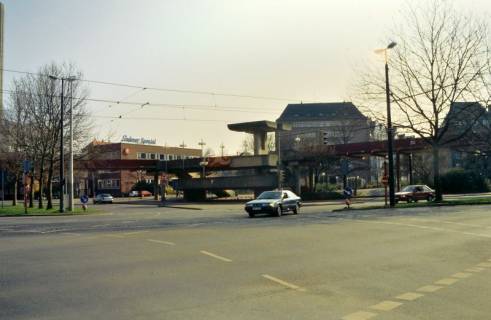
[[103, 198], [414, 193], [274, 202]]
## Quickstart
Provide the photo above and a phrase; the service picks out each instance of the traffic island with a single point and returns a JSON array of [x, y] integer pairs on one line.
[[19, 211]]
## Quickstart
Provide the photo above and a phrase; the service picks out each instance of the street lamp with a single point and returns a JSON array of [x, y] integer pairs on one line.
[[390, 133]]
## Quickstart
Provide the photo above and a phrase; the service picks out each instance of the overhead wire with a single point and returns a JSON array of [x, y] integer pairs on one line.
[[183, 91]]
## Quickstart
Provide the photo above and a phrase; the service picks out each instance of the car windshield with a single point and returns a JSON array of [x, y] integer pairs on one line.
[[270, 195], [105, 195], [408, 189]]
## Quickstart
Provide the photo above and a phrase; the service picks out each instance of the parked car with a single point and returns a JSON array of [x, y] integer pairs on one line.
[[414, 193], [143, 193], [103, 198], [274, 202]]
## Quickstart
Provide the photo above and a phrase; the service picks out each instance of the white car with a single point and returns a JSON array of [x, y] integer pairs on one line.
[[103, 198]]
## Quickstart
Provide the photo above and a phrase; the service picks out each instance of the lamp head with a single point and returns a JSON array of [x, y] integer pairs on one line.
[[391, 45]]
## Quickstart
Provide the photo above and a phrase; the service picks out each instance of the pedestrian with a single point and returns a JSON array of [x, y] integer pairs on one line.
[[348, 193]]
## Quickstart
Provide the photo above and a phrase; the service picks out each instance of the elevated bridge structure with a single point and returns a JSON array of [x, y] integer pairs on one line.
[[254, 172]]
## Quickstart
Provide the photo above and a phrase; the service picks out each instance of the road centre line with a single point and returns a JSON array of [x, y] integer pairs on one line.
[[284, 283], [359, 315], [162, 242], [215, 256]]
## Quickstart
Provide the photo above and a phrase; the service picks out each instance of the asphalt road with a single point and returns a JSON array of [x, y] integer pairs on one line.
[[212, 262]]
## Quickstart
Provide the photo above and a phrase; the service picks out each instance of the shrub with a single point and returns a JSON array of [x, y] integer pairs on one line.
[[461, 181]]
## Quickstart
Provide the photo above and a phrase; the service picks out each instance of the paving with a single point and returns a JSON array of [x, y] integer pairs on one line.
[[210, 261]]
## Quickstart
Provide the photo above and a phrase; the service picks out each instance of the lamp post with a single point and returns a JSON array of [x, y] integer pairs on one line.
[[390, 133]]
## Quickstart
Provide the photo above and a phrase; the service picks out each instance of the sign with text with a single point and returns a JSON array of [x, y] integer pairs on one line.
[[130, 139]]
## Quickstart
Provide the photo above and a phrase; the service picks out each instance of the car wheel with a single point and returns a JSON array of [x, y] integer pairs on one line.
[[295, 209], [251, 215], [279, 211], [430, 198]]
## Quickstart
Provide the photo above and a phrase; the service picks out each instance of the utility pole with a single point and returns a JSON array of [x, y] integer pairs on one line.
[[222, 147], [202, 144], [278, 166], [70, 163]]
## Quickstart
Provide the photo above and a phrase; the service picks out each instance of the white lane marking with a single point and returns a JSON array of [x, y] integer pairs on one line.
[[101, 225], [360, 315], [162, 242], [461, 275], [215, 256], [133, 232], [409, 296], [424, 227], [386, 305], [446, 281], [72, 234], [284, 283]]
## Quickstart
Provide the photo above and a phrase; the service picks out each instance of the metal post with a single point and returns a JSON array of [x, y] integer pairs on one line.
[[278, 167], [70, 163], [390, 142], [62, 157], [410, 168], [3, 186]]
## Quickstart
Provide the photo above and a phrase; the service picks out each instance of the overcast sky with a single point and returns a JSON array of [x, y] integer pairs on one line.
[[304, 50]]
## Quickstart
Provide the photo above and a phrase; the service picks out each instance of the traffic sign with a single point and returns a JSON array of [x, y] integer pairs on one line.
[[84, 199]]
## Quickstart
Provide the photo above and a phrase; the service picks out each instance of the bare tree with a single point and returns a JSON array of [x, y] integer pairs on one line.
[[442, 57], [33, 121]]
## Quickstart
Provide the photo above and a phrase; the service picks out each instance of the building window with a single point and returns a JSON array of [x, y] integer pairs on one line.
[[141, 155], [108, 183], [162, 156], [152, 156]]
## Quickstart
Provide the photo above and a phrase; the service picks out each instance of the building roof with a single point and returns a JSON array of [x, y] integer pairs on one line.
[[321, 111]]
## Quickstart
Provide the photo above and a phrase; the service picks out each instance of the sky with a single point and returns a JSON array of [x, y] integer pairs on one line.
[[293, 51]]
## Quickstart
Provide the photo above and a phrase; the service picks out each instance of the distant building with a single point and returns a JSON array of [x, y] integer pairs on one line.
[[325, 124], [120, 182]]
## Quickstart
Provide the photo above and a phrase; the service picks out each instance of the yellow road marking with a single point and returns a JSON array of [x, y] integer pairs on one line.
[[446, 281], [360, 315], [386, 305], [215, 256], [462, 275], [475, 269], [283, 283], [429, 288], [162, 242], [484, 264], [410, 296]]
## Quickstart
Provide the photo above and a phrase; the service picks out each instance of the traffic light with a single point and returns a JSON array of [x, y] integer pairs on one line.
[[282, 175], [325, 138]]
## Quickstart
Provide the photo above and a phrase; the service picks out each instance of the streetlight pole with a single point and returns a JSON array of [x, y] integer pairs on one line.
[[390, 133], [280, 183], [70, 162], [62, 157]]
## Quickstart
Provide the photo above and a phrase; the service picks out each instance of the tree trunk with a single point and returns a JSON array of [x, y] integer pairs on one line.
[[49, 196], [31, 190], [14, 200], [41, 184], [436, 173]]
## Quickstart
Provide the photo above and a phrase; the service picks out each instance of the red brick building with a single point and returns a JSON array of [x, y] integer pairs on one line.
[[120, 182]]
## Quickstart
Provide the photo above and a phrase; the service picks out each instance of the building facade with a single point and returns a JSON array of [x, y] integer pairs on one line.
[[121, 182]]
